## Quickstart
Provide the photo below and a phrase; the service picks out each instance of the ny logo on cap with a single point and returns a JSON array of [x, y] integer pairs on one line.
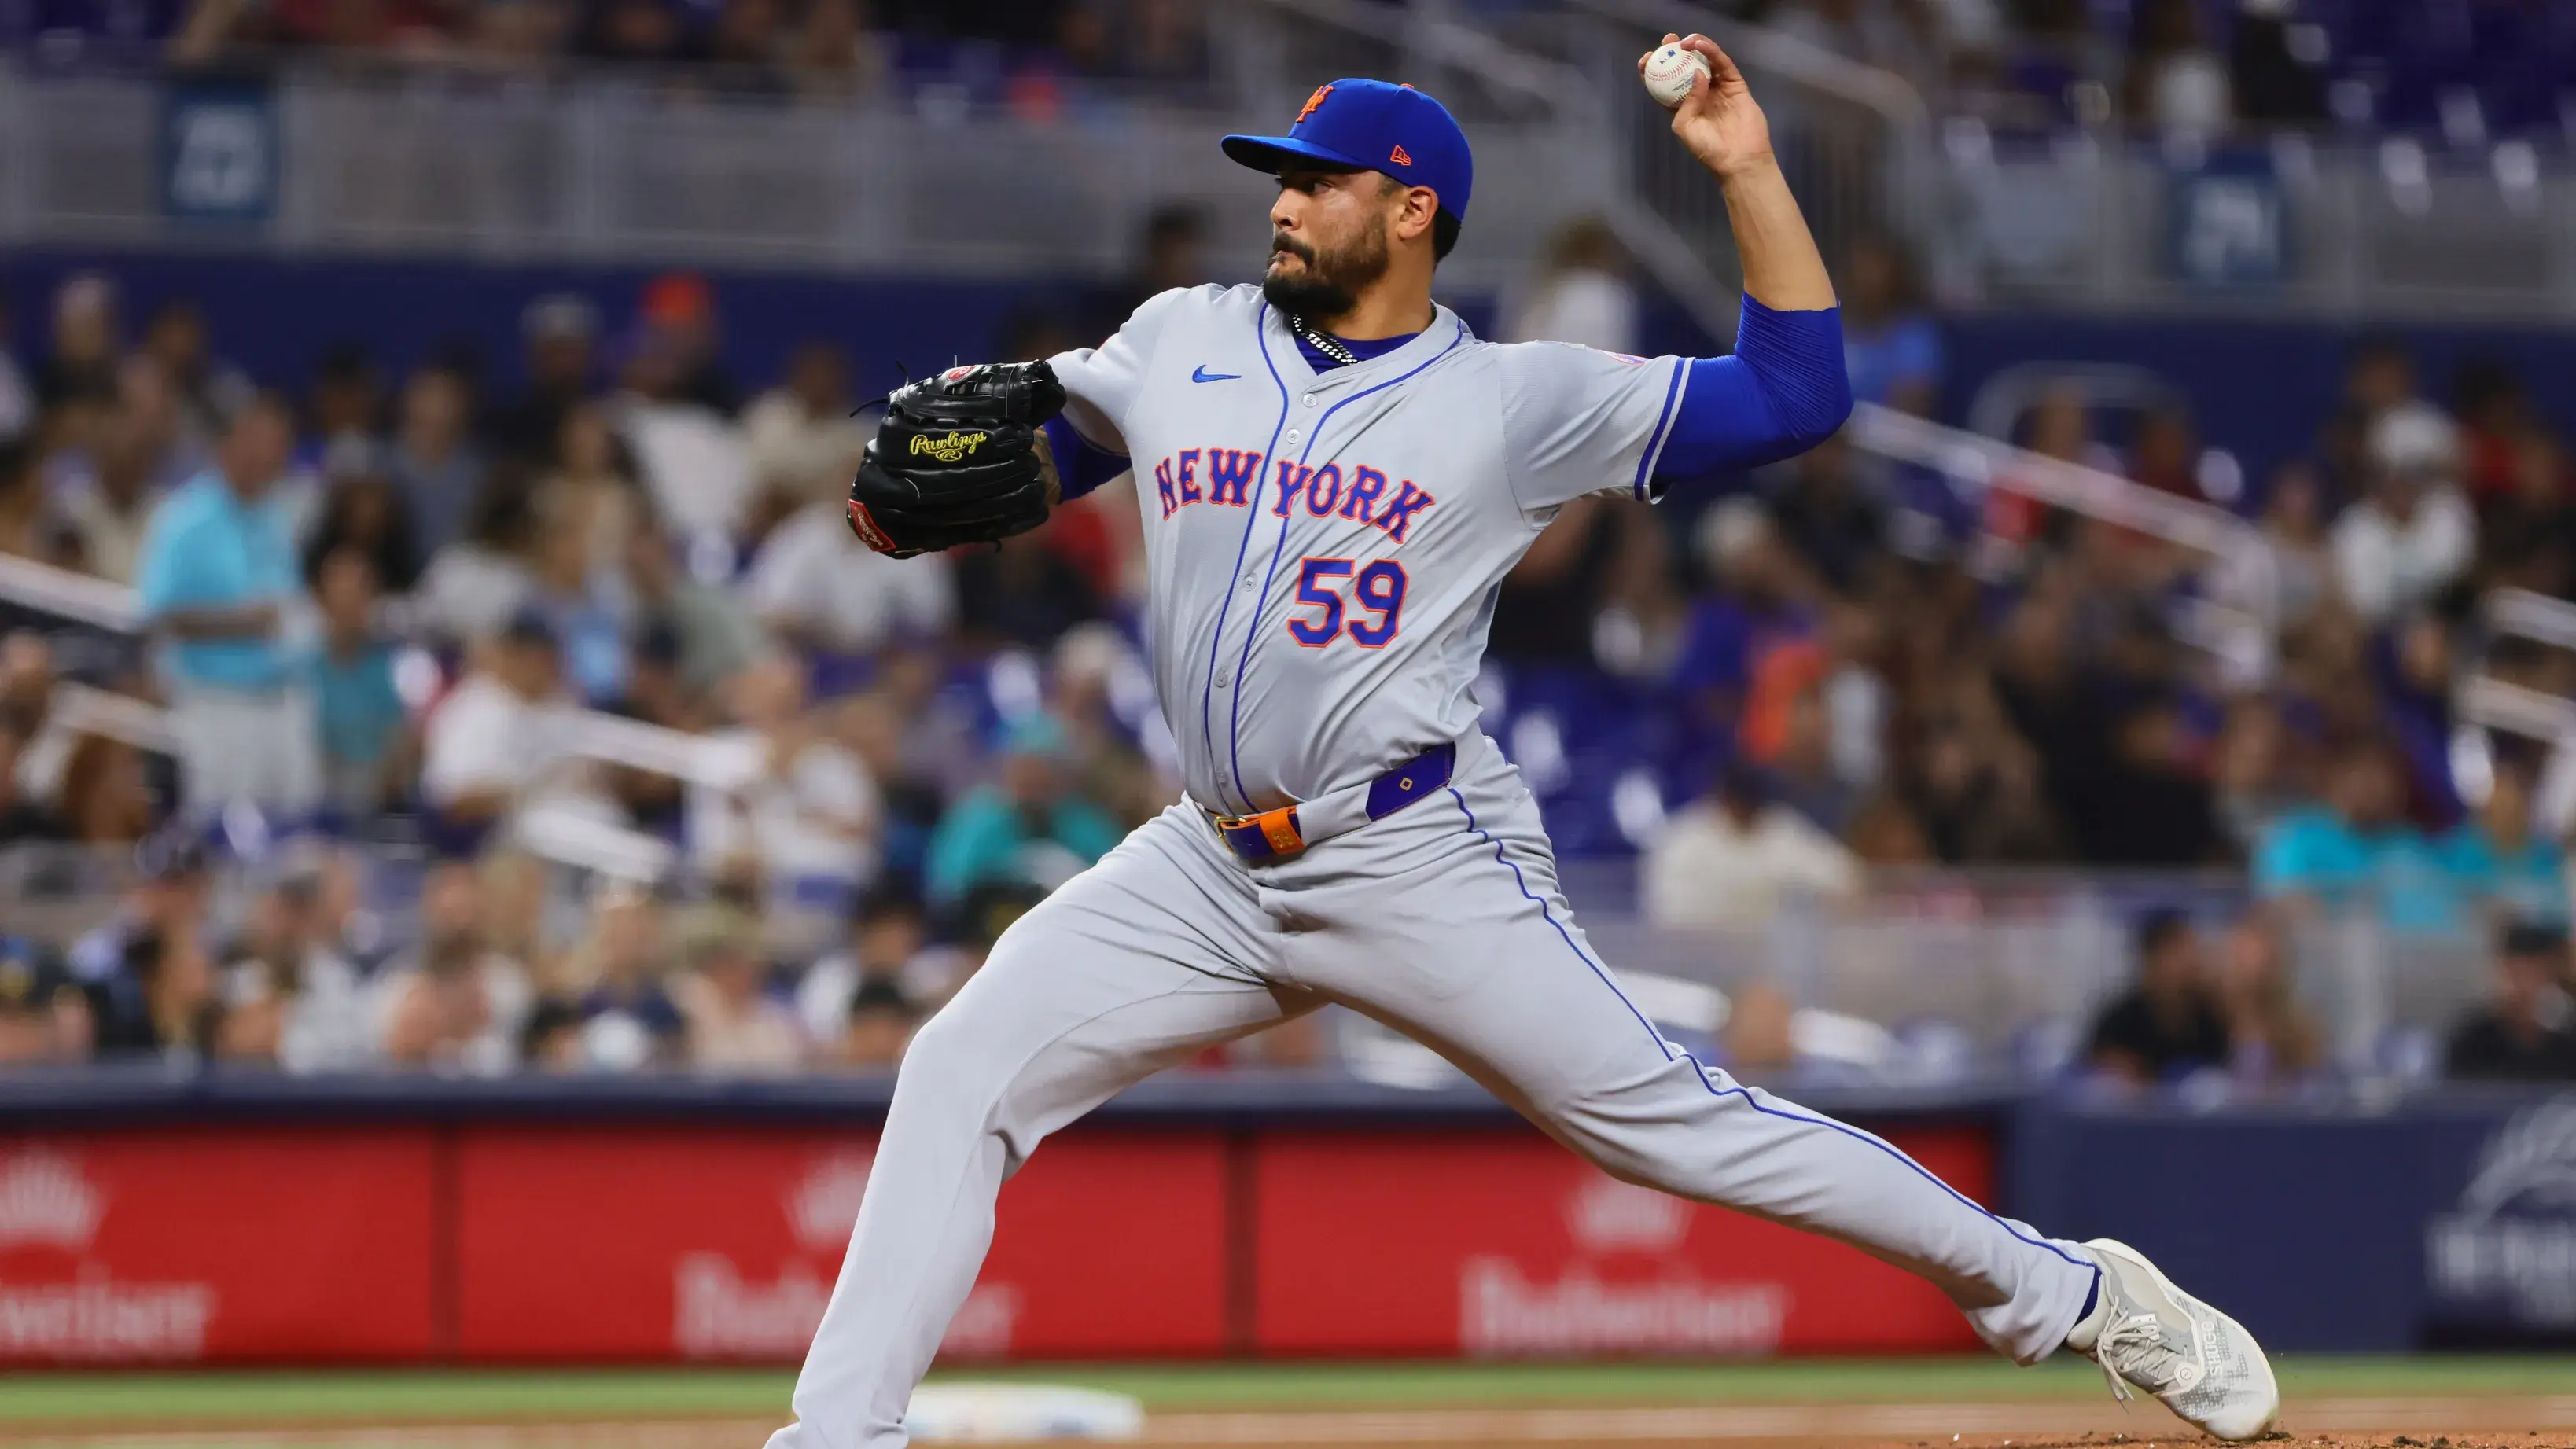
[[1312, 102]]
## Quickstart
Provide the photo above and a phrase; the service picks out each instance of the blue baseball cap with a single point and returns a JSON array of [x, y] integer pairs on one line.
[[1370, 125]]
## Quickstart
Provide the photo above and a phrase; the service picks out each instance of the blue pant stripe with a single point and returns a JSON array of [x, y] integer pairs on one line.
[[1602, 975]]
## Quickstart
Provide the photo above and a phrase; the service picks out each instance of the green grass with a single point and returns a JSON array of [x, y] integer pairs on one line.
[[209, 1399]]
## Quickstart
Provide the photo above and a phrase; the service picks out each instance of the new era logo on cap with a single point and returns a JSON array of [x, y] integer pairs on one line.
[[1399, 158]]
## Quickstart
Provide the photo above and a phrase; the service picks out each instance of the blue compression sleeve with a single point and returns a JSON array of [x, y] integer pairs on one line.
[[1079, 466], [1783, 392]]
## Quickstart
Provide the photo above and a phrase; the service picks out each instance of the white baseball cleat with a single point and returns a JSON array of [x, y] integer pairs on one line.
[[2200, 1362]]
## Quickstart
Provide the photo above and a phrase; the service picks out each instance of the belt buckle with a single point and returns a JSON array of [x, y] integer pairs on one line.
[[1269, 835]]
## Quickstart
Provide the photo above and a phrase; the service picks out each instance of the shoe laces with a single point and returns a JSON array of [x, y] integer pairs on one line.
[[2136, 1348]]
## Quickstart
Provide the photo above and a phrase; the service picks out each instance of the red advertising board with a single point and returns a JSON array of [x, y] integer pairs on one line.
[[659, 1243], [1503, 1244], [231, 1245], [653, 1244]]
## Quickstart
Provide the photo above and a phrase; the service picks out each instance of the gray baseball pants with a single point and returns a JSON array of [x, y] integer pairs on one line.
[[1443, 921]]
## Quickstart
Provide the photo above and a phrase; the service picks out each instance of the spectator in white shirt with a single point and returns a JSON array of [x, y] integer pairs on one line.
[[888, 944], [691, 457], [2412, 534], [1727, 862], [109, 503], [497, 736], [473, 585], [140, 445], [289, 996], [803, 441], [809, 812], [1582, 293], [815, 583]]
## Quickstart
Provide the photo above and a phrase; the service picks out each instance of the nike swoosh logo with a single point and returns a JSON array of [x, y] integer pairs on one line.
[[1203, 375]]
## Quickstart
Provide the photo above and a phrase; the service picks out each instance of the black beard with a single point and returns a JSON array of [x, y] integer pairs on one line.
[[1331, 282], [1308, 296]]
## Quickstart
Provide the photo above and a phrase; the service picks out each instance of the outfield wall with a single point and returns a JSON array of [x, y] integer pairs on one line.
[[261, 1220], [264, 1221]]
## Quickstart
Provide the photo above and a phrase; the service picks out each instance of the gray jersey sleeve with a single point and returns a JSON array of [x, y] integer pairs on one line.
[[1578, 421], [1102, 383]]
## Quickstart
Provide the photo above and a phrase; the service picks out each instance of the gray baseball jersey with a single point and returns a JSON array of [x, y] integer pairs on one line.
[[1322, 549], [1322, 556]]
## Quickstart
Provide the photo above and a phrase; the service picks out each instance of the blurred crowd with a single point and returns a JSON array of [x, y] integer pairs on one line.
[[2226, 1019], [475, 978], [1861, 668], [1862, 674], [1031, 55], [596, 605], [608, 615], [2470, 72]]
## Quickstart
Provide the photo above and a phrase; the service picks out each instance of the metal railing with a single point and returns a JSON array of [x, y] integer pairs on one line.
[[1972, 971], [2235, 618], [2482, 701], [1852, 138], [2328, 226], [1923, 976], [565, 837], [577, 163], [596, 164]]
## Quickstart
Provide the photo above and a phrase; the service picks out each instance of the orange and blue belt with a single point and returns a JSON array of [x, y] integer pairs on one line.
[[1274, 835]]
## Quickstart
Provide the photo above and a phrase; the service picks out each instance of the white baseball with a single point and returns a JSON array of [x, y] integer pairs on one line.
[[1669, 72]]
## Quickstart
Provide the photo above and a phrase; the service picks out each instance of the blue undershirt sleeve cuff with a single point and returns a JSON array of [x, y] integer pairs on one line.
[[1782, 392], [1080, 465]]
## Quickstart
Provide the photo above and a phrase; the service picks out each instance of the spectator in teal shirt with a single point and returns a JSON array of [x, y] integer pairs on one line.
[[1027, 827], [2355, 850], [2501, 863], [219, 580], [365, 734]]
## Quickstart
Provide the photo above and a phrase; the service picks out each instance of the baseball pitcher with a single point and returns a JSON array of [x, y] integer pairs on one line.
[[1335, 476]]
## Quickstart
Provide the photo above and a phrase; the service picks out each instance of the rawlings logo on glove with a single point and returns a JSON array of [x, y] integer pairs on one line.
[[948, 449], [956, 460]]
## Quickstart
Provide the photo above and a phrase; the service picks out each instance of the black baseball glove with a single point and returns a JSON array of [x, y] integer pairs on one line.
[[955, 460]]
